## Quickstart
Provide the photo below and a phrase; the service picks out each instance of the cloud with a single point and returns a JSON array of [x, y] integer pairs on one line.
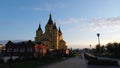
[[45, 7], [101, 23], [41, 7], [9, 23], [72, 20], [93, 23]]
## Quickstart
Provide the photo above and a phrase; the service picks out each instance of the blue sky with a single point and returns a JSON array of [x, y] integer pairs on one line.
[[80, 20]]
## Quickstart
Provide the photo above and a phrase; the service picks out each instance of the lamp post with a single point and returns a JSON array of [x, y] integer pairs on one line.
[[10, 60], [98, 35], [90, 48]]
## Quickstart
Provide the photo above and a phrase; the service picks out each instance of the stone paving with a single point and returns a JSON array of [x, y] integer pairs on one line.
[[76, 62], [70, 63]]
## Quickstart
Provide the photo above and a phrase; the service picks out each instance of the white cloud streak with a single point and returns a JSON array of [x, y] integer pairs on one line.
[[7, 23], [72, 20], [94, 23], [45, 7]]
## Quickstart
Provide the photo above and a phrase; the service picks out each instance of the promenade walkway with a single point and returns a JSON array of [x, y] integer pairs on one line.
[[109, 59], [76, 62]]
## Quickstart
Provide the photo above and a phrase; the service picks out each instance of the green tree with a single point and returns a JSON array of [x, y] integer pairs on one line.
[[114, 49], [102, 49], [98, 48]]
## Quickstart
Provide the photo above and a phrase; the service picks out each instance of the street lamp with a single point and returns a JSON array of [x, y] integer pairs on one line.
[[98, 35], [90, 48]]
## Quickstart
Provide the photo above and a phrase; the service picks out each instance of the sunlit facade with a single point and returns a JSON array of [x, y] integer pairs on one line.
[[52, 37]]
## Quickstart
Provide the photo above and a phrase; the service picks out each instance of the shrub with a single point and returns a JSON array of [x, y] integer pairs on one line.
[[103, 62], [1, 61], [10, 61], [17, 60], [88, 57]]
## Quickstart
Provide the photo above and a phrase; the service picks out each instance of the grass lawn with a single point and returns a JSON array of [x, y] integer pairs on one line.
[[32, 63]]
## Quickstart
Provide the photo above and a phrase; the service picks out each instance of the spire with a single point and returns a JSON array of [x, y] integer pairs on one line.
[[54, 27], [50, 16], [50, 22], [39, 28], [60, 30]]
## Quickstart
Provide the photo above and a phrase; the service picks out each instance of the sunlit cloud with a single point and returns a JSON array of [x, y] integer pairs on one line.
[[72, 20], [105, 23], [94, 23]]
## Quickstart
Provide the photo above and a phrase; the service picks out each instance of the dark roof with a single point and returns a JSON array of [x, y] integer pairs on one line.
[[60, 30], [50, 21], [54, 27], [10, 42], [39, 28], [23, 42]]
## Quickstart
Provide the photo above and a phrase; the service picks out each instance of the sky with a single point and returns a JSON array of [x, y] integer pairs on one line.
[[79, 20]]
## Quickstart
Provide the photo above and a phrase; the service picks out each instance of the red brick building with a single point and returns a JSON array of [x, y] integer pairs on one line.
[[26, 49], [40, 50]]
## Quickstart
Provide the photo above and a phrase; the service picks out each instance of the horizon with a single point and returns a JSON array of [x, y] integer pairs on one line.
[[79, 22]]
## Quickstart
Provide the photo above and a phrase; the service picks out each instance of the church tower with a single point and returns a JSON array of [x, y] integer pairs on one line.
[[39, 33], [55, 36], [52, 37], [49, 25], [60, 34]]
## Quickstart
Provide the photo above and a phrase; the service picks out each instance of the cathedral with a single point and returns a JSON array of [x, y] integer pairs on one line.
[[52, 37]]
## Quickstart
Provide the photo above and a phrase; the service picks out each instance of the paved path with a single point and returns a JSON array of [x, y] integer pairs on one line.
[[97, 66], [76, 62], [110, 59]]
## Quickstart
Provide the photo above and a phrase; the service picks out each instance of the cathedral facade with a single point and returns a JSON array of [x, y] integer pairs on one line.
[[52, 37]]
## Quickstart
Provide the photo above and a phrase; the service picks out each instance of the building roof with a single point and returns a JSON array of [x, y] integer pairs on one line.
[[9, 42], [20, 43], [39, 28], [50, 21], [54, 26], [60, 30]]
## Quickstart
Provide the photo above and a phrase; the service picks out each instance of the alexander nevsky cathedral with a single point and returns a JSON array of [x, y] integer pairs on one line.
[[52, 37]]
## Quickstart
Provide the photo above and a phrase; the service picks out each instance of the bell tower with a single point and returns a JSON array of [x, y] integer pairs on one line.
[[55, 36], [39, 33]]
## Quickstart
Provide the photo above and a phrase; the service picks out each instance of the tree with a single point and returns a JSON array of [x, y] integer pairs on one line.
[[98, 48], [102, 49], [114, 49]]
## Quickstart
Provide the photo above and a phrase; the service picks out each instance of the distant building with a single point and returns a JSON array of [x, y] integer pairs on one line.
[[25, 49], [52, 37], [40, 50], [1, 48]]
